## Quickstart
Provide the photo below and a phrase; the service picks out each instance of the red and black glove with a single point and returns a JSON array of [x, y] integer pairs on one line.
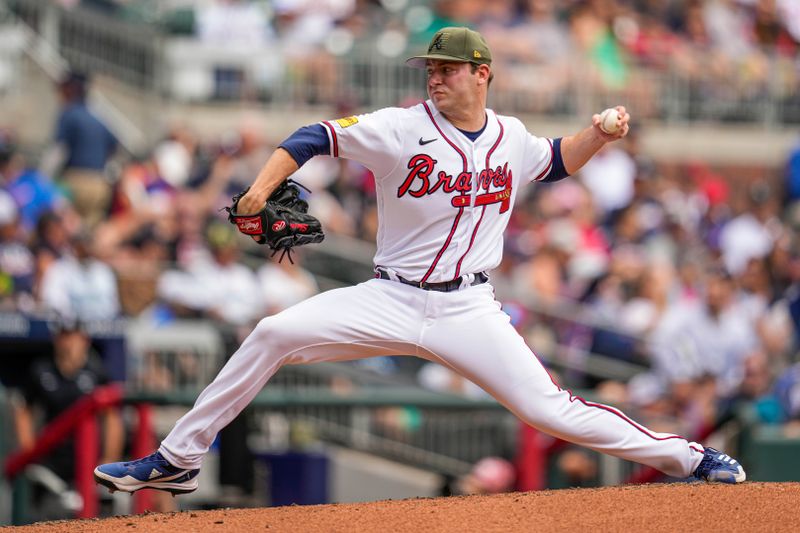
[[282, 223]]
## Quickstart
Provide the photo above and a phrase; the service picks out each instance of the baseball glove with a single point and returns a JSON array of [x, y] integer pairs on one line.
[[282, 223]]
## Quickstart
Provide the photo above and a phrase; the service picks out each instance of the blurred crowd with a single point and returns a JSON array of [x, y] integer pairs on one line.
[[151, 239], [715, 51]]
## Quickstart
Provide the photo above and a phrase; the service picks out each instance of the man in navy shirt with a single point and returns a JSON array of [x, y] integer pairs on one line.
[[83, 145]]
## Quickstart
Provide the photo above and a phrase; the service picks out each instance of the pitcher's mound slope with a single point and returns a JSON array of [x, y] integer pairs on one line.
[[695, 507]]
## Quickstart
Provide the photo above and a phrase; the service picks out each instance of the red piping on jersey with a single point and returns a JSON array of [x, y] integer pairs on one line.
[[496, 143], [613, 411], [471, 241], [483, 212], [335, 144], [460, 209], [546, 170]]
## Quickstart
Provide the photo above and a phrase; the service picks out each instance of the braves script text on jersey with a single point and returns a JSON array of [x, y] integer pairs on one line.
[[443, 206], [444, 202]]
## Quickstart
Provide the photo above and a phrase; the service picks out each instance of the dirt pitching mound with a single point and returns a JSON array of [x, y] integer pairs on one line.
[[674, 507]]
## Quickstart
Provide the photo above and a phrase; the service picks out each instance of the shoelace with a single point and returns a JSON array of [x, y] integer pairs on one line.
[[145, 459], [710, 460]]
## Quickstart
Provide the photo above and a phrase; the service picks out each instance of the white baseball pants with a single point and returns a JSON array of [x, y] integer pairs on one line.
[[464, 330]]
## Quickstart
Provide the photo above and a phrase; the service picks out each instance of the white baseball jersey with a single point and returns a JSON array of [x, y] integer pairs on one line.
[[443, 200]]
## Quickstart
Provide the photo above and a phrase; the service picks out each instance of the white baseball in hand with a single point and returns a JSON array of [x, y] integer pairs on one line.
[[608, 120]]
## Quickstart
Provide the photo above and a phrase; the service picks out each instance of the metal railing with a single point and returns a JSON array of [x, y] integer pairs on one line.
[[94, 42], [182, 355], [142, 56]]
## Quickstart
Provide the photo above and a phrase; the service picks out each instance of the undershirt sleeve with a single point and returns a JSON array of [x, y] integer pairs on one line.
[[557, 171], [307, 142]]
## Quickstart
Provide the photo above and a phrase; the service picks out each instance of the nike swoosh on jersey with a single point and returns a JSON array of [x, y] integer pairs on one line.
[[423, 143]]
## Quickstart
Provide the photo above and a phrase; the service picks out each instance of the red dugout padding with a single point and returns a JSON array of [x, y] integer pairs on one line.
[[533, 454], [87, 450], [143, 444], [60, 428], [80, 418]]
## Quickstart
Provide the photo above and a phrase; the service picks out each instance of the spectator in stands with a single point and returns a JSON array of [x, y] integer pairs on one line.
[[740, 67], [80, 285], [232, 287], [543, 277], [240, 151], [683, 203], [442, 13], [640, 314], [648, 396], [710, 338], [728, 26], [142, 192], [17, 264], [302, 27], [321, 173], [752, 234], [756, 391], [283, 284], [33, 192], [490, 475], [579, 235], [82, 145], [770, 29], [138, 263], [610, 178], [235, 23], [537, 46], [242, 29], [215, 285], [55, 383], [50, 241], [590, 26]]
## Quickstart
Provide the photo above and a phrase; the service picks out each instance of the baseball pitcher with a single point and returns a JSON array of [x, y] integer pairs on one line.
[[447, 172]]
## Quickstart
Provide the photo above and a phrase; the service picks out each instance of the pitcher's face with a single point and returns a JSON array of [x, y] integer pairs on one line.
[[451, 85]]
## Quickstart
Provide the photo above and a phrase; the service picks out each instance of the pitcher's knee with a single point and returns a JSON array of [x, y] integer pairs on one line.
[[547, 416], [276, 336]]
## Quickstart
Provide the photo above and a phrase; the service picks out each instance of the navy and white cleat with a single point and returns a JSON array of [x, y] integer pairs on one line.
[[151, 472], [719, 467]]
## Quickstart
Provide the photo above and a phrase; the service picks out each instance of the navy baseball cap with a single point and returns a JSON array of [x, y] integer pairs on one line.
[[455, 44]]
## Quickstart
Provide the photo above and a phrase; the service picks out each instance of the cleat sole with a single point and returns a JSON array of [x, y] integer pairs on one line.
[[174, 490]]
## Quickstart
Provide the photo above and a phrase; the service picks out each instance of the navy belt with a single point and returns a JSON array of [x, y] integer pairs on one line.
[[444, 286]]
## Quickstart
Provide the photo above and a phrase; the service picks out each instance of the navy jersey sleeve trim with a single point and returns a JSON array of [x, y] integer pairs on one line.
[[307, 142], [557, 171]]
